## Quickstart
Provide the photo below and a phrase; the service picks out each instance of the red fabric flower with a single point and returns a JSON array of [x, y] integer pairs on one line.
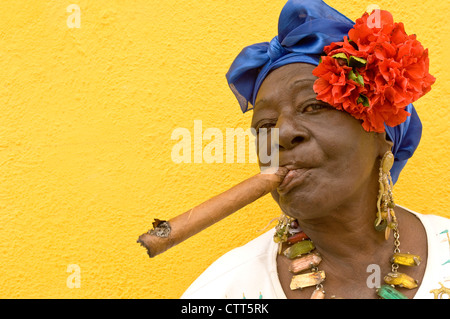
[[375, 72]]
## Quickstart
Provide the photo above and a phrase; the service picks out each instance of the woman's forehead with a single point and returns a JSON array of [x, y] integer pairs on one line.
[[291, 72], [291, 78]]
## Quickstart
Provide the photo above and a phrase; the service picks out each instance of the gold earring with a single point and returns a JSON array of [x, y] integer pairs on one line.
[[386, 219], [282, 228]]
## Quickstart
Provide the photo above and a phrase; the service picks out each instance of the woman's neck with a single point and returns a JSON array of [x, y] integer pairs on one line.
[[344, 232], [347, 240]]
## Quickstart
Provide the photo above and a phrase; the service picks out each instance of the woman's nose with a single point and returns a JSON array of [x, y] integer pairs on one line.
[[290, 132]]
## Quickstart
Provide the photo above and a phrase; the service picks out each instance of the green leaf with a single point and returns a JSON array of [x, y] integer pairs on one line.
[[355, 76], [363, 100], [356, 62], [341, 56], [352, 76], [359, 79]]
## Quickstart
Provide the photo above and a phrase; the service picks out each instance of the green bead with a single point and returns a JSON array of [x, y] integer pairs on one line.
[[300, 248], [382, 226], [387, 292]]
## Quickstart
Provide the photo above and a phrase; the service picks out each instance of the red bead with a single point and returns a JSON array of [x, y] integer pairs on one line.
[[297, 237]]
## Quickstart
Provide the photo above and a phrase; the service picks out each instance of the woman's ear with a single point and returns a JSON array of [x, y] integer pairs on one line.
[[384, 144]]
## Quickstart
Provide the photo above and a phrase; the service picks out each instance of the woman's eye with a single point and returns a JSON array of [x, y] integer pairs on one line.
[[266, 126], [314, 107]]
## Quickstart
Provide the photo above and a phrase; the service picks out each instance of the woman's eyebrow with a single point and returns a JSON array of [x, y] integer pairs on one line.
[[301, 83]]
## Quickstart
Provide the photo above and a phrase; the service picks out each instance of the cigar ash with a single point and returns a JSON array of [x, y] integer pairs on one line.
[[161, 228]]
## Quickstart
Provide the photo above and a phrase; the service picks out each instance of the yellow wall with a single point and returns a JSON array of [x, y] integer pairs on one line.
[[86, 119]]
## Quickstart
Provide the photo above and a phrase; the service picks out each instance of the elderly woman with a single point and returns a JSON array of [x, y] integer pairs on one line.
[[340, 95]]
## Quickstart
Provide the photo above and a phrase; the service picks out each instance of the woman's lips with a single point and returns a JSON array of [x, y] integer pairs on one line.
[[292, 179]]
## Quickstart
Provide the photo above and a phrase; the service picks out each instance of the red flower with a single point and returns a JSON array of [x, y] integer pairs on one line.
[[333, 85], [375, 72]]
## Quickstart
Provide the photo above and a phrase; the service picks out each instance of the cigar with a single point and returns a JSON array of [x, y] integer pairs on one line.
[[167, 234]]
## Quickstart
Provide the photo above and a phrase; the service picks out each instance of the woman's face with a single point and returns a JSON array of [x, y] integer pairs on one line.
[[331, 157]]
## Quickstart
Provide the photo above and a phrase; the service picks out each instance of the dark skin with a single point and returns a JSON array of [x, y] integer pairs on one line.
[[334, 194]]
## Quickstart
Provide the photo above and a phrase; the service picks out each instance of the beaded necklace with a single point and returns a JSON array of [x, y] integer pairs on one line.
[[305, 261]]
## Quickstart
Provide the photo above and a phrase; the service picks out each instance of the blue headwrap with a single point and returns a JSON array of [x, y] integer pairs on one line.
[[305, 27]]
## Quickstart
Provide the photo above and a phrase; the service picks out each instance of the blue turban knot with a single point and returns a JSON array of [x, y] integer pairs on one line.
[[305, 27]]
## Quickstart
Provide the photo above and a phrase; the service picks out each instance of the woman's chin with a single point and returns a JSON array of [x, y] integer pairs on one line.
[[296, 205]]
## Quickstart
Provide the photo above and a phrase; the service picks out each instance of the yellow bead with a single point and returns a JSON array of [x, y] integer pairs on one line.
[[307, 280], [388, 162], [406, 259], [401, 280]]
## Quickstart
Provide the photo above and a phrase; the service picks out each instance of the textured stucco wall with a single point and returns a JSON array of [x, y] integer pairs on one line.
[[86, 119]]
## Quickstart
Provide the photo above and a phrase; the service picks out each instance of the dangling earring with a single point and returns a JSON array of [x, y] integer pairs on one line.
[[282, 228], [386, 219]]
